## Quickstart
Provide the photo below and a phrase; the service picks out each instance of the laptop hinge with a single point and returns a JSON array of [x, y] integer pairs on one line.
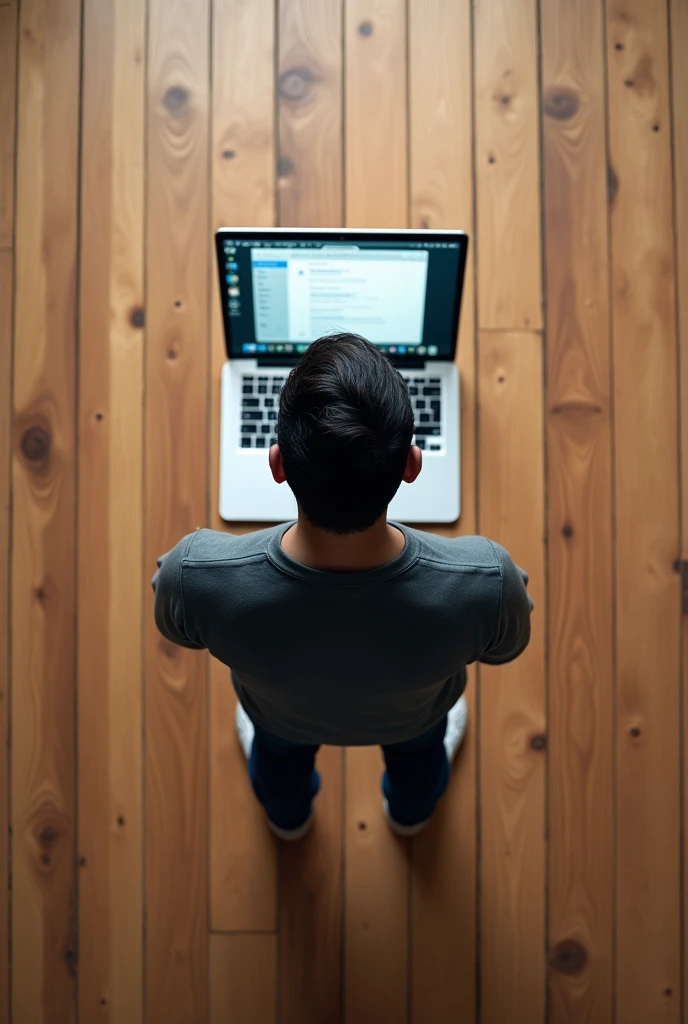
[[275, 364], [408, 364]]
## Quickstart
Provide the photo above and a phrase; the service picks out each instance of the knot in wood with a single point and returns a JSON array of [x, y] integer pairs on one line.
[[285, 167], [176, 100], [538, 742], [561, 103], [35, 444], [137, 317], [295, 83], [568, 957]]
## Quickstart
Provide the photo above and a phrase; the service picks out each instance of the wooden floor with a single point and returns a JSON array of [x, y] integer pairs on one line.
[[143, 887]]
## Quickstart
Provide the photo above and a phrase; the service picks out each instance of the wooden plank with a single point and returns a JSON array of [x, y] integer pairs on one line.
[[8, 51], [177, 233], [310, 112], [507, 164], [443, 881], [310, 973], [243, 979], [6, 290], [311, 193], [110, 514], [648, 975], [243, 861], [512, 702], [376, 961], [43, 599], [376, 164], [8, 104], [678, 43], [581, 695]]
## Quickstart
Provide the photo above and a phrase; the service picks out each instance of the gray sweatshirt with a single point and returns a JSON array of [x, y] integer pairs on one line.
[[344, 658]]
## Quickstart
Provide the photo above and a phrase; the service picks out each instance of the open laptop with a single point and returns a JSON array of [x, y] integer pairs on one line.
[[281, 289]]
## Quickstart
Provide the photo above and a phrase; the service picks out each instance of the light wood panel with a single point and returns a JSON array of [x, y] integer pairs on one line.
[[376, 963], [443, 882], [581, 694], [43, 606], [243, 979], [678, 44], [310, 891], [110, 514], [311, 194], [243, 861], [512, 703], [8, 49], [647, 528], [177, 363], [310, 112], [376, 162], [376, 916], [507, 164], [6, 289], [8, 105]]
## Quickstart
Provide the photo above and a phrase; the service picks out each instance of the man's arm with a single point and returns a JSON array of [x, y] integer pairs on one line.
[[513, 626], [169, 609]]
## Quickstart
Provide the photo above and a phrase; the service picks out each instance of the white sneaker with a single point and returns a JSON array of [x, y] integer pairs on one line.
[[457, 719], [246, 732]]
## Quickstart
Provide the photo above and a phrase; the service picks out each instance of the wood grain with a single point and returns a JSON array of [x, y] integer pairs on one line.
[[443, 881], [310, 112], [8, 105], [507, 164], [310, 891], [376, 964], [309, 96], [8, 49], [243, 861], [243, 979], [376, 914], [679, 40], [648, 969], [43, 599], [512, 703], [177, 232], [581, 695], [6, 290], [376, 161], [110, 504]]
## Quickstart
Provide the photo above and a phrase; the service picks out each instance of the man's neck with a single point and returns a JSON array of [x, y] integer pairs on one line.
[[353, 552]]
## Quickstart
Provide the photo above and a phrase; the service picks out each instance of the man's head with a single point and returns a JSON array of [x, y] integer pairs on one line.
[[344, 433]]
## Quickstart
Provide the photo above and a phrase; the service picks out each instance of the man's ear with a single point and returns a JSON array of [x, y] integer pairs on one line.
[[276, 467], [414, 464]]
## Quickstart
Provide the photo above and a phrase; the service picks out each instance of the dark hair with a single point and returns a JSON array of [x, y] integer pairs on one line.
[[344, 430]]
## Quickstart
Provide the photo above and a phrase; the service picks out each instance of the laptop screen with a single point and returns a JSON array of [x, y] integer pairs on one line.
[[281, 290]]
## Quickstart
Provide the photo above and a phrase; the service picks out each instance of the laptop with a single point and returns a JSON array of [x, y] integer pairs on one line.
[[281, 289]]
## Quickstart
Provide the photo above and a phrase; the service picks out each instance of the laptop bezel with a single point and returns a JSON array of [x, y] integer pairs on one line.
[[342, 235]]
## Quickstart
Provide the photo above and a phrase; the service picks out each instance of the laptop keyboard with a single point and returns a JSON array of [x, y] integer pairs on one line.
[[260, 404]]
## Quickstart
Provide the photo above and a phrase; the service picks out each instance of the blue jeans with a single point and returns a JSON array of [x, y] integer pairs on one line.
[[285, 780]]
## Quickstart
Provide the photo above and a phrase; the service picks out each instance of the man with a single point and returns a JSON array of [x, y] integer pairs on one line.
[[343, 628]]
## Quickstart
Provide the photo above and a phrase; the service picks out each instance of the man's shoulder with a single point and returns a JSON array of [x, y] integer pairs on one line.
[[209, 546], [471, 552]]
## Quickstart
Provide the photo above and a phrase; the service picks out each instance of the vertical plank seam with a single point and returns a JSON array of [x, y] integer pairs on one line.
[[276, 216], [476, 509], [76, 880], [142, 553], [10, 532], [342, 914], [210, 142], [612, 471], [342, 91], [681, 499], [545, 495]]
